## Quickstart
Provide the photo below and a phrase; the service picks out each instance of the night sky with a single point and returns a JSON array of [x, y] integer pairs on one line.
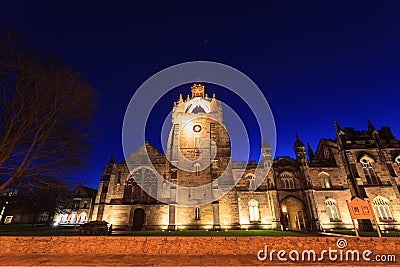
[[315, 61]]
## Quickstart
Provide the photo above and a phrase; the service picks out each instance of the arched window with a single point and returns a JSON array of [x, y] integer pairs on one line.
[[324, 180], [250, 182], [382, 208], [146, 179], [369, 171], [73, 218], [253, 211], [64, 218], [397, 160], [332, 210], [82, 218], [287, 180]]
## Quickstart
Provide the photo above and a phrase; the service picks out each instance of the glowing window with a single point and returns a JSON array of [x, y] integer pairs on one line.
[[197, 168], [197, 213], [250, 182], [287, 180], [324, 180], [253, 211], [332, 209], [196, 141], [369, 172], [382, 208]]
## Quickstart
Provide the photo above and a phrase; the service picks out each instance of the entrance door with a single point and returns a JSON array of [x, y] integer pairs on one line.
[[294, 218], [138, 219]]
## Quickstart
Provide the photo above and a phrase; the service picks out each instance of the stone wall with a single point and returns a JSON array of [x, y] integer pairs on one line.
[[246, 246]]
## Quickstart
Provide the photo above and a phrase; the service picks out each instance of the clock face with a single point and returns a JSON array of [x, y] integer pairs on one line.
[[197, 128], [326, 153]]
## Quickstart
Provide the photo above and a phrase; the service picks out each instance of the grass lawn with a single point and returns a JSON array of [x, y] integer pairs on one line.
[[46, 230], [372, 234], [214, 233]]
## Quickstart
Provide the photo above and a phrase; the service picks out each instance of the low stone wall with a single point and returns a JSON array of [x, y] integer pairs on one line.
[[124, 245]]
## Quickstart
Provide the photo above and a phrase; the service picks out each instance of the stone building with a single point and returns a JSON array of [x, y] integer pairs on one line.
[[305, 193], [78, 208]]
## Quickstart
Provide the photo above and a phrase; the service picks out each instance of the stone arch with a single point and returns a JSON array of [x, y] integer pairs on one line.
[[293, 212], [365, 155], [138, 218]]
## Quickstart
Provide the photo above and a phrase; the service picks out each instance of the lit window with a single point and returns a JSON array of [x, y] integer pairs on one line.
[[382, 208], [287, 180], [369, 171], [324, 180], [332, 209], [196, 141], [250, 182], [197, 214], [197, 168], [253, 211], [164, 189]]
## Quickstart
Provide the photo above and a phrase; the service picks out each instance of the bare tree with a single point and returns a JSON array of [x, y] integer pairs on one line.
[[45, 114]]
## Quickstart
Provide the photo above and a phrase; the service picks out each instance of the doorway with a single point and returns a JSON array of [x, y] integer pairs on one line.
[[293, 214], [138, 219]]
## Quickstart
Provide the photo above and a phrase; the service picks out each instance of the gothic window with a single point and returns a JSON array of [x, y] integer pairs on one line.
[[85, 205], [64, 218], [197, 213], [73, 218], [196, 141], [250, 182], [146, 179], [332, 210], [369, 172], [324, 180], [382, 208], [254, 213], [398, 161], [287, 180], [197, 168], [164, 189]]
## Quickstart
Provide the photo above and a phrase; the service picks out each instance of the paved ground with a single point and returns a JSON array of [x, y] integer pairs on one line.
[[135, 260]]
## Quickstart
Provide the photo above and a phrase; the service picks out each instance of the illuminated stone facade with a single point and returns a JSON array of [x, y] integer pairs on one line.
[[306, 193]]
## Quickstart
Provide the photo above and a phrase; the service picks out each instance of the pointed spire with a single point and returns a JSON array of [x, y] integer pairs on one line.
[[337, 127], [180, 99], [310, 152], [112, 160], [298, 142], [371, 128], [188, 98], [265, 144], [214, 95]]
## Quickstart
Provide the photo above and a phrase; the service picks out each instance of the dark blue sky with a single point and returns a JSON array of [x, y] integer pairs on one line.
[[316, 61]]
